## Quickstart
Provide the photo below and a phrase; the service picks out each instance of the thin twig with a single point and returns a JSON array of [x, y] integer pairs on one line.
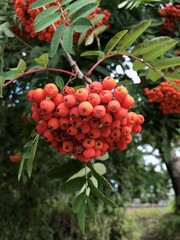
[[39, 70], [121, 54]]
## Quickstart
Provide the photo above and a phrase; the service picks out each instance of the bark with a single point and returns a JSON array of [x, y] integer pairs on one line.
[[173, 167]]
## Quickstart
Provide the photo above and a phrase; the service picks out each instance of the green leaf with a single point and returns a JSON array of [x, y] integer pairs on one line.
[[2, 81], [65, 170], [82, 37], [32, 153], [22, 65], [82, 24], [167, 63], [154, 43], [172, 76], [40, 3], [21, 168], [59, 81], [100, 195], [114, 41], [104, 157], [94, 33], [98, 176], [43, 60], [93, 53], [80, 173], [42, 24], [132, 35], [73, 185], [56, 40], [154, 76], [77, 204], [100, 168], [97, 19], [64, 2], [68, 39], [83, 12], [10, 75], [158, 51], [91, 208], [75, 6], [16, 70], [42, 15], [81, 217], [137, 65]]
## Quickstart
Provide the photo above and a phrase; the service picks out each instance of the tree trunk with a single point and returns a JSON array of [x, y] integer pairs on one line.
[[173, 167]]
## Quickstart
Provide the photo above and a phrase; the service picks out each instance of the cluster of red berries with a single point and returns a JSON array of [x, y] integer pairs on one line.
[[172, 17], [87, 122], [27, 17], [103, 22], [167, 95]]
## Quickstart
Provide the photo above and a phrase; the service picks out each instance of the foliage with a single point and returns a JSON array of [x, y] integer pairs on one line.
[[161, 229]]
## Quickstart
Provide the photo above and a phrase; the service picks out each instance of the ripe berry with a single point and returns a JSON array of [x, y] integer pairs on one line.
[[120, 93], [47, 106], [99, 111], [85, 108], [81, 95], [50, 90], [109, 83]]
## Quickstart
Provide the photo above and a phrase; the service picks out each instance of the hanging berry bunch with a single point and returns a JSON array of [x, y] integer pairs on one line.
[[27, 17], [87, 122], [172, 17], [167, 95]]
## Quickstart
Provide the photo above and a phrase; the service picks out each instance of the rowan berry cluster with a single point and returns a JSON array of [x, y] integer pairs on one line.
[[172, 17], [86, 122], [167, 95], [27, 17]]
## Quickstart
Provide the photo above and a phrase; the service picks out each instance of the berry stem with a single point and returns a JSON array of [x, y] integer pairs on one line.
[[121, 54], [40, 70]]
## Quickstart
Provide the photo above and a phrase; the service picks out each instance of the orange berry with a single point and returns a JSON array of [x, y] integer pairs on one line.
[[62, 110], [58, 99], [128, 102], [98, 144], [89, 153], [68, 146], [94, 99], [94, 122], [88, 142], [76, 122], [50, 90], [126, 130], [70, 100], [106, 120], [68, 90], [64, 122], [15, 158], [41, 127], [94, 133], [99, 111], [121, 146], [106, 96], [47, 106], [85, 108], [30, 96], [121, 113], [85, 127], [81, 94], [109, 83], [48, 136], [120, 93], [115, 123], [136, 128], [95, 87], [38, 95], [105, 131], [72, 130], [53, 123], [74, 112], [113, 106]]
